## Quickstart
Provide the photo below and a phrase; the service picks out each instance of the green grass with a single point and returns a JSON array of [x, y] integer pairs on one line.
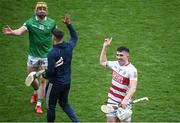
[[150, 28]]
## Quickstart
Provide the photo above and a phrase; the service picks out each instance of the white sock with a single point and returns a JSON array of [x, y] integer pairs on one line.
[[39, 103]]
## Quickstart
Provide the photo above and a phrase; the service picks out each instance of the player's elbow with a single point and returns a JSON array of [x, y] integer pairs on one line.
[[133, 89], [103, 63], [50, 73], [75, 38]]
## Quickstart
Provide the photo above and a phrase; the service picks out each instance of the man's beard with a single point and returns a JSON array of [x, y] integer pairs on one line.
[[41, 15]]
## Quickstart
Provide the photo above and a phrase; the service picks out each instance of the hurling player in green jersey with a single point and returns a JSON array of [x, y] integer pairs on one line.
[[40, 29]]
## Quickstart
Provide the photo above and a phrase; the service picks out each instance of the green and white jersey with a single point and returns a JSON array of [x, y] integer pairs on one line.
[[40, 36]]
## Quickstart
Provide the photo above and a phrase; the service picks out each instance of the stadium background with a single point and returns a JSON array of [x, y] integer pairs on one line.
[[150, 28]]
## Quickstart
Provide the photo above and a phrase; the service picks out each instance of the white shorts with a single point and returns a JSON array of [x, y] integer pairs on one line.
[[113, 114], [37, 62]]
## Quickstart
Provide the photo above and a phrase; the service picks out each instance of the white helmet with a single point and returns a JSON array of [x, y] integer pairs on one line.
[[123, 114]]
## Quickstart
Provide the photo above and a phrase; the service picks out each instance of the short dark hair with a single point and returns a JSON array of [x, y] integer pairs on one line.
[[123, 48], [58, 33]]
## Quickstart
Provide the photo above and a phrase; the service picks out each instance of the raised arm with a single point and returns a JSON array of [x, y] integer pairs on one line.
[[9, 31], [73, 34], [103, 57]]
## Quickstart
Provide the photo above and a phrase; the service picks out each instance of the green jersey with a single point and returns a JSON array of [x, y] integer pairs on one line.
[[40, 36]]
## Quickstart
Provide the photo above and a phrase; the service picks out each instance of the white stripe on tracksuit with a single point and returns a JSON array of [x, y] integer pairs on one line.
[[48, 94]]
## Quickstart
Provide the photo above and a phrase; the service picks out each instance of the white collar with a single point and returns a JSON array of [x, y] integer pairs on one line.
[[38, 20]]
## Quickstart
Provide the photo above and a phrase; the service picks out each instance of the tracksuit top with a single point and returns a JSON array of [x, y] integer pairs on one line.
[[61, 75]]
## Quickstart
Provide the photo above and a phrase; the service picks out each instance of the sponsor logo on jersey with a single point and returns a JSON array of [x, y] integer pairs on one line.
[[41, 27]]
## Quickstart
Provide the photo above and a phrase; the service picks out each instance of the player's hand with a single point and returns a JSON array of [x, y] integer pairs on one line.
[[67, 19], [39, 73], [7, 30], [107, 42]]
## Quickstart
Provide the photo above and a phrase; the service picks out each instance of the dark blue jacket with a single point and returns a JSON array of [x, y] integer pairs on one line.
[[61, 75]]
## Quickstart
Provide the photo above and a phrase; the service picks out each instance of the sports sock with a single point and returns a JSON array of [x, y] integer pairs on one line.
[[39, 102], [41, 90]]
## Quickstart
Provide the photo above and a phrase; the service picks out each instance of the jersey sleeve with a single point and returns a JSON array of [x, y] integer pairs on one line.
[[133, 74], [25, 25], [74, 38], [110, 64]]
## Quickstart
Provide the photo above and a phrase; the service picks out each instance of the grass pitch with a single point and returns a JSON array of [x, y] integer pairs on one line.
[[150, 28]]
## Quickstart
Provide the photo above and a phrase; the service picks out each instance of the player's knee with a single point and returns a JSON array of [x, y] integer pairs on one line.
[[63, 105]]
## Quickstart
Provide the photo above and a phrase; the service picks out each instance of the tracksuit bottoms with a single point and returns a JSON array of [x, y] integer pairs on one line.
[[58, 94]]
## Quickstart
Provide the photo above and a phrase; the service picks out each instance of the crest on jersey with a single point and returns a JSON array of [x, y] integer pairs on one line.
[[41, 27]]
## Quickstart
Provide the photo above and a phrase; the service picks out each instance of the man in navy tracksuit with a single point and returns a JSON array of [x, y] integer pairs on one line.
[[59, 72]]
